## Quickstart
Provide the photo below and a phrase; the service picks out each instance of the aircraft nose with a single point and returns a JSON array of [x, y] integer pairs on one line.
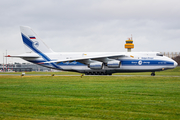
[[175, 63]]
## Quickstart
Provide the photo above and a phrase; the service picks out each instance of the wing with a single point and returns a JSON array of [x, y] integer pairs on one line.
[[91, 59]]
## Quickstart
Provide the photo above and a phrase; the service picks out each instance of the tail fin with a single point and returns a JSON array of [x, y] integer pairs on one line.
[[33, 42]]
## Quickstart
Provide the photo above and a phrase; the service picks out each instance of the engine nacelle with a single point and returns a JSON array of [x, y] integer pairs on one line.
[[114, 64], [96, 65]]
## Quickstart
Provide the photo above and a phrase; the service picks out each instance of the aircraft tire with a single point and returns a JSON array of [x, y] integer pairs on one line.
[[152, 74], [87, 73], [101, 73]]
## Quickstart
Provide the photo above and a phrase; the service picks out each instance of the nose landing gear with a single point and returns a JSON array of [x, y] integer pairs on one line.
[[153, 74]]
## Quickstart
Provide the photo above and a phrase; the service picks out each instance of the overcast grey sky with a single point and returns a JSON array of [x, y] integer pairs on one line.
[[91, 25]]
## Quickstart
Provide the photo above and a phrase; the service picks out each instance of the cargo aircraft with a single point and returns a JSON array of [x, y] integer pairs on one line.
[[91, 63]]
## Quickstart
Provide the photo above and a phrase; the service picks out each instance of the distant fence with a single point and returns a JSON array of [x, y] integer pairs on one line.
[[171, 54]]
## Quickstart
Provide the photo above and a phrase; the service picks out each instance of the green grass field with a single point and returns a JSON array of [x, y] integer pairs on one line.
[[171, 72], [91, 97]]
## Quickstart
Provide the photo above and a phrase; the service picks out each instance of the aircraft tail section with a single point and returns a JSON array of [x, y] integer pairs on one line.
[[33, 42]]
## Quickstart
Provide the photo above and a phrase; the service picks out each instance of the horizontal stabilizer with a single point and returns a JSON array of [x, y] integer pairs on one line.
[[23, 56]]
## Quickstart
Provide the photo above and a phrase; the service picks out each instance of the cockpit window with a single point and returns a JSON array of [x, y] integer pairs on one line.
[[159, 54]]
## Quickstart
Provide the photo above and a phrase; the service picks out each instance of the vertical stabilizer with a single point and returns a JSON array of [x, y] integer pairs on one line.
[[33, 42]]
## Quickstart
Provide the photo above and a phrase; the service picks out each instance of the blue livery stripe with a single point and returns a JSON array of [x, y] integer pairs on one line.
[[146, 63], [71, 63]]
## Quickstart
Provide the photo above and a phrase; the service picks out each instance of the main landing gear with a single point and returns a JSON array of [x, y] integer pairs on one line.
[[97, 73], [153, 74]]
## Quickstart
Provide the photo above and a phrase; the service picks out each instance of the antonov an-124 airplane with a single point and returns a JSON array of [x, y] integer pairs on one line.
[[91, 63]]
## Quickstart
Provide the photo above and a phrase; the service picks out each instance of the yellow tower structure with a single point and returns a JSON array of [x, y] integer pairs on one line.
[[129, 44]]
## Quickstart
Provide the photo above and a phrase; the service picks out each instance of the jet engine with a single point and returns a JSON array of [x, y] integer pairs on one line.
[[114, 64], [96, 65]]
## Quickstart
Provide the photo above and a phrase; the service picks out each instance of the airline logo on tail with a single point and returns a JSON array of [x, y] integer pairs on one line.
[[36, 44]]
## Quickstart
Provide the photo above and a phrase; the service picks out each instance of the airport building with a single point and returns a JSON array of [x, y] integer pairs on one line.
[[22, 67]]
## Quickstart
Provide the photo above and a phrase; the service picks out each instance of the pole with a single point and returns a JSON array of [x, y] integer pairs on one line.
[[3, 62], [6, 60], [6, 57]]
